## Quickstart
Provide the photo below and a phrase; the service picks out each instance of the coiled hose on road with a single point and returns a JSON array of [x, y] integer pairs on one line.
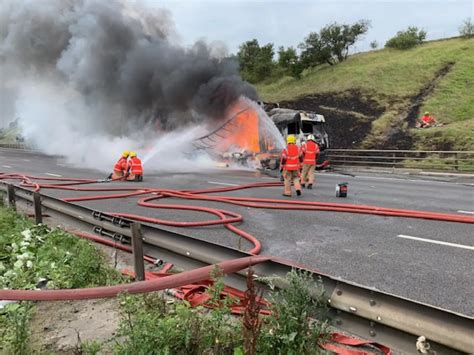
[[226, 218]]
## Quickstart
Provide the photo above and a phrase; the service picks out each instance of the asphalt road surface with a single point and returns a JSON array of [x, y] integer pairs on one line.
[[427, 261]]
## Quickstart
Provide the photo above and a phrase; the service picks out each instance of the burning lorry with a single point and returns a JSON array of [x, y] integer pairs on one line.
[[254, 134]]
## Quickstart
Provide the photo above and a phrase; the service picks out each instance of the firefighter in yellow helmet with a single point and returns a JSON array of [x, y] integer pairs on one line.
[[290, 162], [134, 168], [120, 167]]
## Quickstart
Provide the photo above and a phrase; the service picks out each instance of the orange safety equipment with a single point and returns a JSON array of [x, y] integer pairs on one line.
[[290, 158], [121, 165], [136, 166], [310, 152]]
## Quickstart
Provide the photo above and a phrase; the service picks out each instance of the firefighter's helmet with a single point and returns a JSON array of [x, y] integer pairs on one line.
[[133, 154], [427, 113], [311, 138], [125, 153], [291, 139]]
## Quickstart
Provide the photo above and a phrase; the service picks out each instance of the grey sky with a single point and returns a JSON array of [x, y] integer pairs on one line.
[[286, 22]]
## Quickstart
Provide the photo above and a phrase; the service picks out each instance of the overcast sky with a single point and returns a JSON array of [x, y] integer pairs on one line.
[[287, 22]]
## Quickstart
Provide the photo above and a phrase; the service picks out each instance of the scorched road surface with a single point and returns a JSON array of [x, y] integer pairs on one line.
[[428, 261]]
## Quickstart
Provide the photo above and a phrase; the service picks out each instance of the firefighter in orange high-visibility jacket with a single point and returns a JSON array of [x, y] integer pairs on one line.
[[135, 168], [310, 152], [120, 167], [290, 164]]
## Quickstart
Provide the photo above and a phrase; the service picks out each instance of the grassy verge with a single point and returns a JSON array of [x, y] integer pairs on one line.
[[388, 73], [37, 256]]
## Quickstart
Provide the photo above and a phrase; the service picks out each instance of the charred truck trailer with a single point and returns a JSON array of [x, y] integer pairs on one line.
[[251, 137]]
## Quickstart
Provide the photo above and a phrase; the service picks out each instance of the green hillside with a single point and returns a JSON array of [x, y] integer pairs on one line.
[[377, 96]]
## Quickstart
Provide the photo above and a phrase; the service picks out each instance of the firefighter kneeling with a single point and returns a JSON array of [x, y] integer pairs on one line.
[[290, 164], [120, 167], [134, 168]]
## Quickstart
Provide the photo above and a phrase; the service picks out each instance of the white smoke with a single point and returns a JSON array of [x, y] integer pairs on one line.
[[53, 119]]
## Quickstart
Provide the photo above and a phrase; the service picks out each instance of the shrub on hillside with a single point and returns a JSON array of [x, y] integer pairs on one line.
[[331, 45], [467, 28], [407, 39], [255, 61]]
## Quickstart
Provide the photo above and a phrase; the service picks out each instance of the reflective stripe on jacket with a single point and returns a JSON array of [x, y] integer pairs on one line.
[[290, 157], [310, 152], [136, 166], [121, 165]]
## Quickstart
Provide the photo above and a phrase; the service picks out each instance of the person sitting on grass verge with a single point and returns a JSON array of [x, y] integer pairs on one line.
[[427, 121]]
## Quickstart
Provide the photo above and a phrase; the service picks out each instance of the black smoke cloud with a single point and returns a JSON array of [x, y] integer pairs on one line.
[[116, 53]]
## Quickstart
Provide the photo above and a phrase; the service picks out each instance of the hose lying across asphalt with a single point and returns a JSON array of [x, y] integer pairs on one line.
[[224, 217]]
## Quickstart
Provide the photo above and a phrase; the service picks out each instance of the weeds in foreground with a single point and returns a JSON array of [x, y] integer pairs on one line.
[[35, 256], [14, 331], [151, 324]]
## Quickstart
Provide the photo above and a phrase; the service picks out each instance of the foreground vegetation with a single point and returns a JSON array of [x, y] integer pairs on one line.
[[37, 256]]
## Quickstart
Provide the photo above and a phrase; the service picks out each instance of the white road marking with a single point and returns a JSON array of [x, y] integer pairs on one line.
[[6, 166], [468, 212], [468, 247], [221, 183], [55, 175], [26, 159], [61, 164]]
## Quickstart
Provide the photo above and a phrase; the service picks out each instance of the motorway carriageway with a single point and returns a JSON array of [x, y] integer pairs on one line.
[[428, 261]]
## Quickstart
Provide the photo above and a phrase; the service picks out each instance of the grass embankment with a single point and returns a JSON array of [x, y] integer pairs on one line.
[[8, 135], [37, 256], [394, 78]]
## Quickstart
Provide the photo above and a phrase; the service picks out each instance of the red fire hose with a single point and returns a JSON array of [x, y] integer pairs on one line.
[[226, 218]]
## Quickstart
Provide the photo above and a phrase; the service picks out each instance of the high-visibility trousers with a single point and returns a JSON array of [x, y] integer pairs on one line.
[[291, 176], [307, 174]]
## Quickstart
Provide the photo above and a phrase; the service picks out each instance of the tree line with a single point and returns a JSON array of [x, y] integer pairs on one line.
[[330, 45]]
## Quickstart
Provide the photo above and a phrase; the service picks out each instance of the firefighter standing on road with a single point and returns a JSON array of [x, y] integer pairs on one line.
[[120, 167], [310, 152], [290, 162], [134, 168]]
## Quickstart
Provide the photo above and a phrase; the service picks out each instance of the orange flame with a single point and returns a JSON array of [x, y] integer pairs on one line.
[[244, 131]]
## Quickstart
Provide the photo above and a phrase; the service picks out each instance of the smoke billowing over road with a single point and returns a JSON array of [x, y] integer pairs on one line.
[[108, 69]]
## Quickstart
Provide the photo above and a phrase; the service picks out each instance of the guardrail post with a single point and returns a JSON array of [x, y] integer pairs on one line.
[[456, 167], [137, 247], [11, 196], [37, 206]]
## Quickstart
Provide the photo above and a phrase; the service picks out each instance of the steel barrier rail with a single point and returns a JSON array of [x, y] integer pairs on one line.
[[441, 160], [14, 145], [360, 310]]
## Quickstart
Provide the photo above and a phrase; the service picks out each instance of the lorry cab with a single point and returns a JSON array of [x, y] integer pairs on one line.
[[301, 124]]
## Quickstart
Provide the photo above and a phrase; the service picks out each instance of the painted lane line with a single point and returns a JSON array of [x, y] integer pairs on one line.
[[6, 166], [468, 212], [26, 159], [60, 164], [55, 175], [468, 247], [221, 183]]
